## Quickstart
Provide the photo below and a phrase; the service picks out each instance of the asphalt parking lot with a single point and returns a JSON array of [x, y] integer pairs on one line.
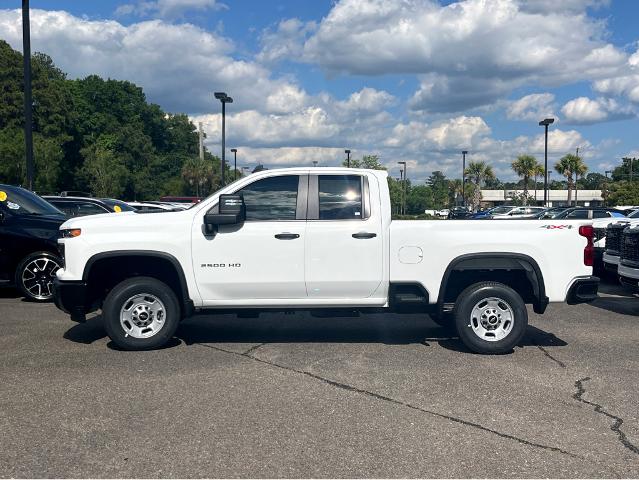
[[300, 396]]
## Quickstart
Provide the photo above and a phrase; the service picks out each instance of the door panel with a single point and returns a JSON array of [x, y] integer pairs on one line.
[[344, 244], [263, 258]]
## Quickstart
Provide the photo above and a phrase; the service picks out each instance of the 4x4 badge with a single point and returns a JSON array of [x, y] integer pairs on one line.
[[556, 227]]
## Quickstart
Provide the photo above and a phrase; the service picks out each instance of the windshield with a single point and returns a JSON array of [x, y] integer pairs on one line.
[[122, 206], [23, 202], [634, 214]]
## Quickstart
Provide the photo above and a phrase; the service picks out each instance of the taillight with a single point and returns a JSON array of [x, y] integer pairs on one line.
[[589, 250]]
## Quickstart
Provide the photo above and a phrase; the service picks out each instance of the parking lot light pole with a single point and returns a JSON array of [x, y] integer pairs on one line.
[[404, 187], [28, 102], [224, 98], [464, 152], [545, 123], [234, 150], [348, 158]]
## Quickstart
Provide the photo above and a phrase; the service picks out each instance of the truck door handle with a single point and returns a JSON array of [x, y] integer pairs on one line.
[[364, 235], [287, 236]]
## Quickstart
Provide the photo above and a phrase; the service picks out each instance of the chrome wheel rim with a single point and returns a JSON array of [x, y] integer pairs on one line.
[[142, 316], [492, 319], [37, 277]]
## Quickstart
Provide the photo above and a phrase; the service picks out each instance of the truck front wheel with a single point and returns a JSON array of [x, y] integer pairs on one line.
[[490, 317], [141, 313]]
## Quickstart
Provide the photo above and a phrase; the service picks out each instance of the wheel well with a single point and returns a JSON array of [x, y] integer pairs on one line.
[[102, 274], [459, 280], [518, 272]]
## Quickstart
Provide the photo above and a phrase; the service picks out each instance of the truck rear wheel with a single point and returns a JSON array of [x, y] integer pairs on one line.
[[490, 317], [141, 313]]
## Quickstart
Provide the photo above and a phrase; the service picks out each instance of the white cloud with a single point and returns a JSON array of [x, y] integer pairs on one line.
[[470, 53], [286, 42], [584, 110], [167, 8], [179, 66], [534, 107]]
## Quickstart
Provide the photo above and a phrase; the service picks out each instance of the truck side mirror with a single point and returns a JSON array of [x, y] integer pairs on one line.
[[232, 211]]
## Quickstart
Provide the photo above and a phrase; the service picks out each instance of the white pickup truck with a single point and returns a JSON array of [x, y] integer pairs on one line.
[[317, 238]]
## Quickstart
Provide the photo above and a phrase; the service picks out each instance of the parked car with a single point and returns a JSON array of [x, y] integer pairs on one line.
[[150, 207], [81, 206], [519, 212], [29, 229], [552, 212], [310, 238], [482, 214], [187, 200], [589, 213], [458, 213], [443, 213]]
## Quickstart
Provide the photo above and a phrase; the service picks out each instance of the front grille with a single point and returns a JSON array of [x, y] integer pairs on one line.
[[613, 238], [630, 246]]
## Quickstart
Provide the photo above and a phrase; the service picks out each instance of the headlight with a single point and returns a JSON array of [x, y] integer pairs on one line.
[[70, 232]]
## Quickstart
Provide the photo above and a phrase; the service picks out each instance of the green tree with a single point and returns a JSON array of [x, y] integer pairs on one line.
[[478, 172], [571, 166], [105, 172], [438, 184], [623, 192], [367, 161], [198, 174], [592, 181], [525, 167], [419, 198]]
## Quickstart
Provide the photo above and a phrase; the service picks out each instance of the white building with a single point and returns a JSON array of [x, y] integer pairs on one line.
[[555, 197]]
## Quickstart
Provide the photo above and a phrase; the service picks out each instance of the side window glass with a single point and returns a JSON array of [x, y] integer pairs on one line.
[[340, 197], [273, 198], [89, 209], [600, 214], [578, 214]]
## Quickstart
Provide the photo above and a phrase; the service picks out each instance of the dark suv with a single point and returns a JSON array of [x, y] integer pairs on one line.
[[29, 229], [81, 206]]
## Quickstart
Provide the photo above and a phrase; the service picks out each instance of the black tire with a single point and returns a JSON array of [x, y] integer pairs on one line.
[[119, 298], [471, 297], [35, 274]]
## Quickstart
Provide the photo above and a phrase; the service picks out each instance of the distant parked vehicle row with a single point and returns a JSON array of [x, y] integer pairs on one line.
[[81, 206]]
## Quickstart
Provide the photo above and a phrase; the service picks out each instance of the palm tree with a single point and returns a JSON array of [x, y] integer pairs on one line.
[[525, 166], [197, 173], [570, 165], [478, 172], [455, 189]]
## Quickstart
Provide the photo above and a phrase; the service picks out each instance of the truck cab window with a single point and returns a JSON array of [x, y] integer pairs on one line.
[[340, 197], [273, 198]]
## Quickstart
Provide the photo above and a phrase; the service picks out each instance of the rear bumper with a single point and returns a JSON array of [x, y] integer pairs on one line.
[[583, 290], [71, 297]]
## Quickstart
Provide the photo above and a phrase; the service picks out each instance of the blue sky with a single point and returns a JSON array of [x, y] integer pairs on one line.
[[409, 80]]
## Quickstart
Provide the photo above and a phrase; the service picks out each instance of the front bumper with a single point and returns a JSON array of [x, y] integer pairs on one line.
[[583, 290], [71, 297], [611, 262]]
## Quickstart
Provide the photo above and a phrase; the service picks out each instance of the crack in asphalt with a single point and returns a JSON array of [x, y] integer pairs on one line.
[[547, 353], [618, 421], [384, 398], [250, 350]]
